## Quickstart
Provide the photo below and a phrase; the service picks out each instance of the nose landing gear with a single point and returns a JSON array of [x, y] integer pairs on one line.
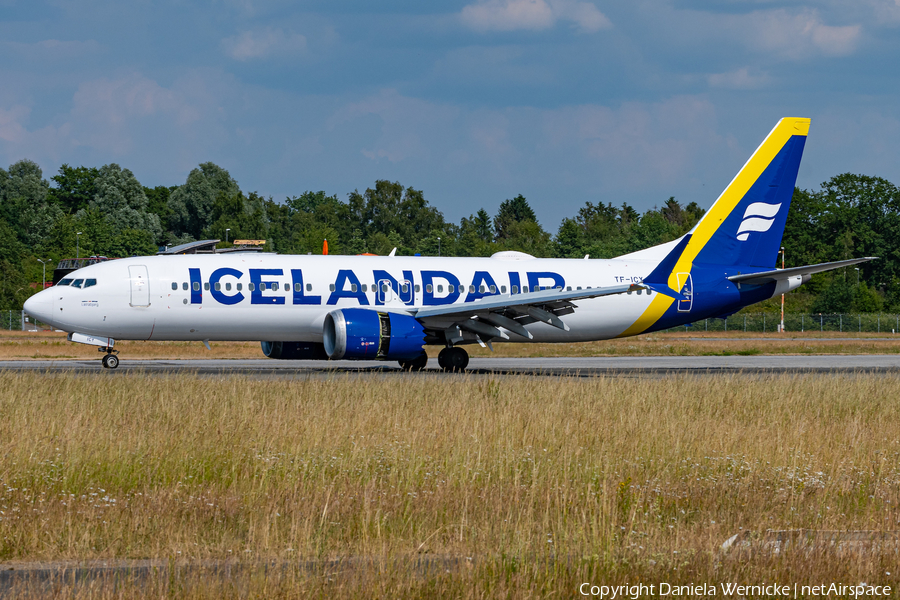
[[453, 359], [110, 360]]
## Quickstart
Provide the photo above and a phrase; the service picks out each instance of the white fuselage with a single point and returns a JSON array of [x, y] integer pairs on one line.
[[219, 297]]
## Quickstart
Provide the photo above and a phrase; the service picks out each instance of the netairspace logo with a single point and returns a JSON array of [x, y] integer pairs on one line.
[[759, 217], [640, 590]]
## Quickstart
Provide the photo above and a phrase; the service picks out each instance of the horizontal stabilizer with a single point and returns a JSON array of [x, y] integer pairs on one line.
[[765, 277]]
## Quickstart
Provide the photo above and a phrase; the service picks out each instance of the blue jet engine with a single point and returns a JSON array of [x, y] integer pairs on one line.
[[365, 334]]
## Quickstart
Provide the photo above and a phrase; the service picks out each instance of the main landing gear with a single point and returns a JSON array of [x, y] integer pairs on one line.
[[110, 360], [453, 359]]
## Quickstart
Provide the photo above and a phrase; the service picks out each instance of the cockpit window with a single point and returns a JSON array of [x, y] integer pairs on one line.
[[89, 282], [77, 283], [65, 282]]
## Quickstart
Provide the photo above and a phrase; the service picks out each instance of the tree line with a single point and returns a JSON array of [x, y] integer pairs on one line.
[[107, 211]]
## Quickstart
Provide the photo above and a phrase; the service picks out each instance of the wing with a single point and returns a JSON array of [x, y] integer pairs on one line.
[[489, 317]]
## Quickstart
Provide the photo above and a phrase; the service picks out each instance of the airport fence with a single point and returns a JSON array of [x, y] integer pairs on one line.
[[799, 322], [18, 320]]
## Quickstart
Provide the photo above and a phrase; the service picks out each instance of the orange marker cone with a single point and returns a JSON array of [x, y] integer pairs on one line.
[[325, 247]]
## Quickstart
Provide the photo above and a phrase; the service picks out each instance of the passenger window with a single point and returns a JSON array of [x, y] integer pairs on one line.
[[578, 288], [471, 289], [197, 286], [385, 287], [174, 286], [405, 288], [240, 286], [251, 286], [218, 286], [493, 289], [481, 289], [206, 286], [525, 288], [286, 287], [417, 288], [331, 287], [77, 283], [262, 287], [440, 289], [451, 288], [365, 287], [298, 287], [309, 287], [228, 287], [428, 288], [184, 285], [90, 282], [502, 289], [353, 287], [64, 282], [515, 289], [568, 288]]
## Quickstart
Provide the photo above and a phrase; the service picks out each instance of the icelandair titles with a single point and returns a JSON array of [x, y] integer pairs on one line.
[[438, 287]]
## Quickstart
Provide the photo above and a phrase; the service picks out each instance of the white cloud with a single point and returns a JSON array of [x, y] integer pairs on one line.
[[794, 35], [535, 15], [264, 42], [740, 79], [53, 49], [11, 126]]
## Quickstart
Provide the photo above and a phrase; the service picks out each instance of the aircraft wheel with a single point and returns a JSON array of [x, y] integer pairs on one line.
[[416, 364], [110, 361], [442, 359], [456, 360]]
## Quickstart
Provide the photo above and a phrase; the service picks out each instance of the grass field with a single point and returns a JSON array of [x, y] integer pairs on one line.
[[539, 484], [53, 345]]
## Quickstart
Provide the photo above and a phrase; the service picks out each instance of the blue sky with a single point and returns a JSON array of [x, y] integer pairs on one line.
[[475, 101]]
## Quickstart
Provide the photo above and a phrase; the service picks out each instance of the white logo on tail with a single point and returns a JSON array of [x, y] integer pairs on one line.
[[759, 216]]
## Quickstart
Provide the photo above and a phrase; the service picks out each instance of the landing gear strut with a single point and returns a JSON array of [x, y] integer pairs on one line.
[[416, 364], [453, 359], [110, 360]]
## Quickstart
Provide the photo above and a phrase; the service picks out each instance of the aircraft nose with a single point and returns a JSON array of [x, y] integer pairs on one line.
[[40, 306]]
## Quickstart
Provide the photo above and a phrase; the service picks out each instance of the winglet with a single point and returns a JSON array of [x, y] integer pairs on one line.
[[658, 280]]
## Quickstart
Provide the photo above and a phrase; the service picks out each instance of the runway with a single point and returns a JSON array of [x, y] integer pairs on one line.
[[579, 367]]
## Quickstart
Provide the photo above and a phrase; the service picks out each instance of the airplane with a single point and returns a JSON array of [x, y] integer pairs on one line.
[[390, 307]]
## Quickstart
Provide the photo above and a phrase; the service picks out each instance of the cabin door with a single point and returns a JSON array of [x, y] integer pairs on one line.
[[140, 285], [686, 287]]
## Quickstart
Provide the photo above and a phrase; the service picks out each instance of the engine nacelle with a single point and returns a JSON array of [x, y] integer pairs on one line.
[[294, 350], [365, 334]]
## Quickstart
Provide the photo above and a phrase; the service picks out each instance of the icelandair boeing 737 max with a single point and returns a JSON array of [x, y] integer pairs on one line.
[[391, 307]]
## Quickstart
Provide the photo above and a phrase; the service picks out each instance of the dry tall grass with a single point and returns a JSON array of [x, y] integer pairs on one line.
[[53, 345], [544, 482]]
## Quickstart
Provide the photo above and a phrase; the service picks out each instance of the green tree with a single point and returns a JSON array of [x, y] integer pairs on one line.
[[121, 199], [24, 202], [191, 204], [75, 187], [515, 210]]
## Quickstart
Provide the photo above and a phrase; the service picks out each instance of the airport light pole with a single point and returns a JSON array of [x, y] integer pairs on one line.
[[782, 296], [226, 235], [77, 239], [857, 276], [44, 274], [439, 245]]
